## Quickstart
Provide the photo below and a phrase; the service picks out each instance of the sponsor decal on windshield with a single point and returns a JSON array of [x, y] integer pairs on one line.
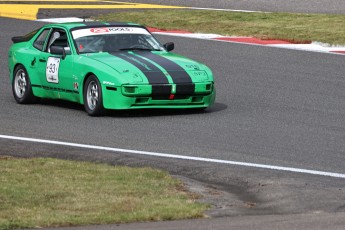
[[111, 29], [108, 30], [99, 30]]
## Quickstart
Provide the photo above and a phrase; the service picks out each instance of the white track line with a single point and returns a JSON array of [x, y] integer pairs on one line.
[[173, 156], [228, 10]]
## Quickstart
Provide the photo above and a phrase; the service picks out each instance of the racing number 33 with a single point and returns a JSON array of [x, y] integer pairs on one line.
[[52, 70]]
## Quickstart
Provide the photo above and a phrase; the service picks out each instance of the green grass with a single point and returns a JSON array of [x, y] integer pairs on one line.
[[49, 192], [287, 26]]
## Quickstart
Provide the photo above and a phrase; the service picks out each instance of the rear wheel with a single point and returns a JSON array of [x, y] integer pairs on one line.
[[93, 98], [21, 86]]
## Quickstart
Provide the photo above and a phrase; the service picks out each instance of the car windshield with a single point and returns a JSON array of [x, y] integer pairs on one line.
[[113, 39]]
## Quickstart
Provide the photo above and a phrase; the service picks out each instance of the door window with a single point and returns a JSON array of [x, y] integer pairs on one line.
[[39, 42], [58, 38]]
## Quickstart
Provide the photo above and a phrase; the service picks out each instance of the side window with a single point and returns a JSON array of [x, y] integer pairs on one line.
[[39, 43], [58, 38]]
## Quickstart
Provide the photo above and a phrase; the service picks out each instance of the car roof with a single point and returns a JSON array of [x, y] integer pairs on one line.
[[74, 26], [81, 25]]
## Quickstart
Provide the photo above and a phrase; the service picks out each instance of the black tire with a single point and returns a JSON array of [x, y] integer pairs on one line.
[[21, 86], [93, 97]]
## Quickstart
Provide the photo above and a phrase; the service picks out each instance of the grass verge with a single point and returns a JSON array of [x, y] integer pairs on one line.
[[293, 27], [49, 192]]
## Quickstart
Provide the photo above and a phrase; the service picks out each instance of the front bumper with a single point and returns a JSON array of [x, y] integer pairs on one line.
[[197, 95]]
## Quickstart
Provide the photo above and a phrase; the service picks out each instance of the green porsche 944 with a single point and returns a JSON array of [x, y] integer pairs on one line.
[[106, 66]]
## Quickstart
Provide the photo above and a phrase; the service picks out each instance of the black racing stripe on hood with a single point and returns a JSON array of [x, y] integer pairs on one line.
[[153, 74], [177, 73]]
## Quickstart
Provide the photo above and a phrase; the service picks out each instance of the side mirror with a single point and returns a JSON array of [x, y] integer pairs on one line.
[[58, 50], [169, 46]]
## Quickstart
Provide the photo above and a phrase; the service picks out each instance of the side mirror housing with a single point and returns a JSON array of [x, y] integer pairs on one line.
[[169, 46], [58, 50]]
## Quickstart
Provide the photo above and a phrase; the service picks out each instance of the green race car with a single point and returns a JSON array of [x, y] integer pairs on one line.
[[106, 66]]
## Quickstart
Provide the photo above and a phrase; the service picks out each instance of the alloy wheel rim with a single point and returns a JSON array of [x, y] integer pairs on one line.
[[92, 95], [20, 83]]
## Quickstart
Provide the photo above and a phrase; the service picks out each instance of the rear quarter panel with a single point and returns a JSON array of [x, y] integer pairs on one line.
[[23, 54]]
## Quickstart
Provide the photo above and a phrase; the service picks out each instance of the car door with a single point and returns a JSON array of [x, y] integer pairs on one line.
[[56, 71]]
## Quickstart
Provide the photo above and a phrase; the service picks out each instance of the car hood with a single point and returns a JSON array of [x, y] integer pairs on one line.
[[155, 67]]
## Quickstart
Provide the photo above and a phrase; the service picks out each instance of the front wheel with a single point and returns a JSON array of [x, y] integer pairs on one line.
[[93, 99], [21, 86]]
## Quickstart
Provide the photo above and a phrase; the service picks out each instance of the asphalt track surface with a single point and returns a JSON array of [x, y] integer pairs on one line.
[[295, 6], [274, 106], [298, 6]]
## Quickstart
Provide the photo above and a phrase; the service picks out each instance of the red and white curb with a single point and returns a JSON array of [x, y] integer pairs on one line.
[[312, 46]]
